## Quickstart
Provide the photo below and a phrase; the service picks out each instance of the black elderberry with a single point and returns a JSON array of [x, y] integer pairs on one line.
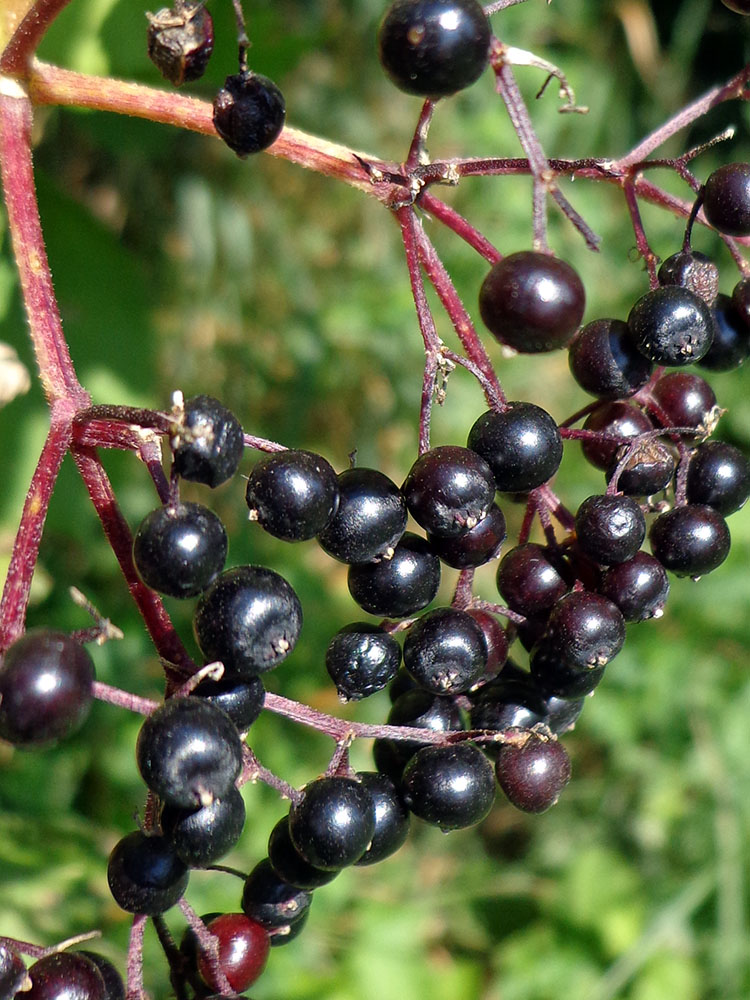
[[690, 540], [241, 698], [333, 823], [46, 688], [249, 113], [693, 270], [13, 976], [726, 199], [685, 400], [361, 659], [557, 677], [189, 752], [289, 864], [209, 444], [114, 987], [672, 325], [249, 618], [610, 529], [449, 490], [585, 630], [178, 550], [401, 585], [639, 587], [270, 900], [391, 818], [495, 638], [731, 344], [65, 975], [451, 787], [529, 579], [474, 547], [434, 48], [718, 475], [532, 302], [180, 41], [369, 520], [445, 651], [605, 362], [521, 444], [417, 709], [615, 420], [145, 875], [203, 835], [644, 468], [533, 771], [285, 935], [506, 704], [292, 494]]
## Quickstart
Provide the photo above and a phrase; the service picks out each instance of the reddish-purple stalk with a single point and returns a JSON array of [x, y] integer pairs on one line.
[[134, 989], [208, 944]]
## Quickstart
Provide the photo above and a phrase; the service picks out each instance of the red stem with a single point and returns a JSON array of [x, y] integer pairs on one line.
[[18, 52]]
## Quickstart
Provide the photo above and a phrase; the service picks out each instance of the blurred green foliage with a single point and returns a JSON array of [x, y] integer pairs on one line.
[[178, 266]]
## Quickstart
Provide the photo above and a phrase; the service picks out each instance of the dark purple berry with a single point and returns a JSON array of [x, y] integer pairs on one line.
[[391, 818], [585, 630], [731, 343], [726, 199], [645, 468], [605, 362], [532, 302], [529, 579], [145, 875], [249, 113], [249, 619], [451, 787], [288, 863], [616, 422], [495, 637], [693, 270], [417, 709], [202, 836], [65, 975], [434, 48], [557, 677], [178, 550], [449, 490], [445, 651], [672, 325], [690, 540], [241, 698], [292, 494], [401, 585], [610, 529], [114, 987], [362, 659], [639, 587], [13, 975], [533, 771], [474, 547], [180, 41], [270, 900], [685, 400], [718, 475], [369, 520], [332, 824], [209, 444], [521, 444], [511, 703], [46, 688]]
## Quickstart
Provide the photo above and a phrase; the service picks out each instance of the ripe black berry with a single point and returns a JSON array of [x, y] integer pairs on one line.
[[292, 494], [726, 199], [690, 540], [474, 547], [529, 579], [46, 688], [449, 490], [445, 651], [533, 772], [145, 875], [532, 302], [362, 659], [522, 446], [433, 48], [65, 975], [401, 585], [249, 618], [585, 630], [639, 587], [610, 529], [731, 344], [495, 638], [289, 865], [249, 113], [718, 475], [613, 420], [180, 41], [114, 987], [189, 752], [202, 836], [685, 400], [243, 951], [241, 698], [369, 520], [12, 972], [270, 900], [694, 270], [451, 787], [506, 704], [333, 823], [178, 550], [649, 467], [209, 444], [391, 818], [605, 361], [672, 325], [418, 709], [556, 676]]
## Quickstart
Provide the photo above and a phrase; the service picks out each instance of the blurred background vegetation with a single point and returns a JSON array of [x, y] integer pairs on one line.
[[285, 294]]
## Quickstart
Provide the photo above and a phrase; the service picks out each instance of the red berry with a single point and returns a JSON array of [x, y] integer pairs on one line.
[[243, 951]]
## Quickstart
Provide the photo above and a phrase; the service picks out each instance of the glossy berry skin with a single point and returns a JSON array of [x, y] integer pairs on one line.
[[690, 540], [639, 587], [604, 360], [726, 199], [685, 400], [145, 875], [391, 818], [474, 547], [369, 520], [189, 752], [114, 987], [401, 585], [249, 618], [671, 326], [46, 688], [292, 494], [731, 344], [522, 446], [180, 42], [533, 772], [65, 975], [555, 676], [610, 529], [514, 701], [445, 651], [289, 866], [333, 823], [693, 270], [532, 302], [529, 579], [418, 709], [249, 113], [178, 550], [495, 638], [718, 475], [452, 787], [202, 836], [362, 659], [449, 490], [12, 972], [616, 419], [585, 629], [243, 951], [209, 446], [648, 469], [270, 900], [241, 698], [434, 48]]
